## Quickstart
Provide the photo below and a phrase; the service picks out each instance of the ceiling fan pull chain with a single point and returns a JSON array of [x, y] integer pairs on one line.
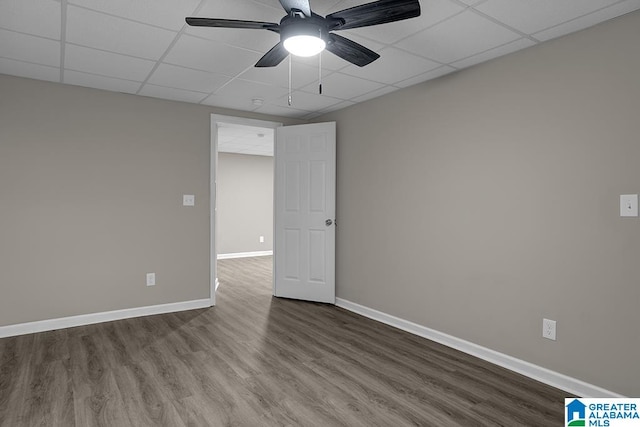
[[320, 73], [289, 99]]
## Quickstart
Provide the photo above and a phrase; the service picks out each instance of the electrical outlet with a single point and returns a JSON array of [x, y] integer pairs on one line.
[[549, 329], [151, 279], [261, 239]]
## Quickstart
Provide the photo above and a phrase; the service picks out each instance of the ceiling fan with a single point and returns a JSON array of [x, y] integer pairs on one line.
[[305, 33]]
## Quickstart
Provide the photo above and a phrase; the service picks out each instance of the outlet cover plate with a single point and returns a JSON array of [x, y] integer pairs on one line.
[[549, 329], [151, 279]]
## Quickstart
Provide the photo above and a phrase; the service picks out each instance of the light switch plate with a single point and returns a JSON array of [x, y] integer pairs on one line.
[[188, 200], [629, 205]]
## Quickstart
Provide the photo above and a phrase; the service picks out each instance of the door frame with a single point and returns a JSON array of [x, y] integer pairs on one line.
[[213, 168]]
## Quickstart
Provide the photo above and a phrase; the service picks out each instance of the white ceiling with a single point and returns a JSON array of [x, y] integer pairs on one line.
[[144, 47], [233, 138]]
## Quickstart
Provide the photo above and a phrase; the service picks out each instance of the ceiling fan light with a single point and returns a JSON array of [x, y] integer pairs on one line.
[[304, 45]]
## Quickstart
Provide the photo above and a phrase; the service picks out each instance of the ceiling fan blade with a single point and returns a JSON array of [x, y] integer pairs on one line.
[[350, 50], [232, 23], [378, 12], [272, 58], [301, 5]]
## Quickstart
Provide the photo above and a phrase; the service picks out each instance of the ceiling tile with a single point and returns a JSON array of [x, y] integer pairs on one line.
[[256, 40], [250, 90], [171, 93], [533, 16], [438, 72], [100, 82], [28, 70], [252, 140], [239, 94], [29, 48], [243, 9], [330, 6], [185, 78], [432, 12], [168, 14], [37, 17], [577, 24], [376, 93], [207, 55], [344, 87], [494, 53], [93, 29], [463, 35], [363, 40], [228, 132], [313, 116], [106, 63], [392, 66], [230, 101], [275, 4], [337, 107]]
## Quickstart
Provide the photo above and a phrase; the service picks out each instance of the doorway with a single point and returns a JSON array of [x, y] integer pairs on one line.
[[242, 202]]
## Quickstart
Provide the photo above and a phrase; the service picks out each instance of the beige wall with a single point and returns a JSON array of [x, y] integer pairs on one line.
[[244, 203], [481, 202], [91, 186]]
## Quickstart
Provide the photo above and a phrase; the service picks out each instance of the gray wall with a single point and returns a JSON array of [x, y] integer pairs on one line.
[[91, 186], [244, 203], [481, 202]]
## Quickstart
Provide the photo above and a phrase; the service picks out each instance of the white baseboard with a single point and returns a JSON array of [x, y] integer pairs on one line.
[[244, 254], [544, 375], [107, 316]]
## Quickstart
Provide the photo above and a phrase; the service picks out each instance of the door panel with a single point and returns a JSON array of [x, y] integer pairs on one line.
[[304, 255]]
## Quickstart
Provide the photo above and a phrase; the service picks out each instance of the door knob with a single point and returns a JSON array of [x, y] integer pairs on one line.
[[328, 222]]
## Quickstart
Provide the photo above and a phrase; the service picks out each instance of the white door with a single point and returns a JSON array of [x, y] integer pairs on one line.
[[304, 211]]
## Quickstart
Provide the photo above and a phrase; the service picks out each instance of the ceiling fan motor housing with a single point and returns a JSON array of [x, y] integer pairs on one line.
[[299, 25]]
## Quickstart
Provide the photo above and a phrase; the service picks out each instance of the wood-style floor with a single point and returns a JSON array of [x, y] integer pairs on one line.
[[255, 360]]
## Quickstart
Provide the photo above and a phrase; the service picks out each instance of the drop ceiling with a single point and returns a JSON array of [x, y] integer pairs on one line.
[[144, 47], [240, 139]]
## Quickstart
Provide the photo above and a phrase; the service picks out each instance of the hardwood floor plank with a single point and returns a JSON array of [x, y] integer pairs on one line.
[[49, 397], [228, 398], [48, 393], [166, 368], [97, 398], [14, 354], [143, 401]]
